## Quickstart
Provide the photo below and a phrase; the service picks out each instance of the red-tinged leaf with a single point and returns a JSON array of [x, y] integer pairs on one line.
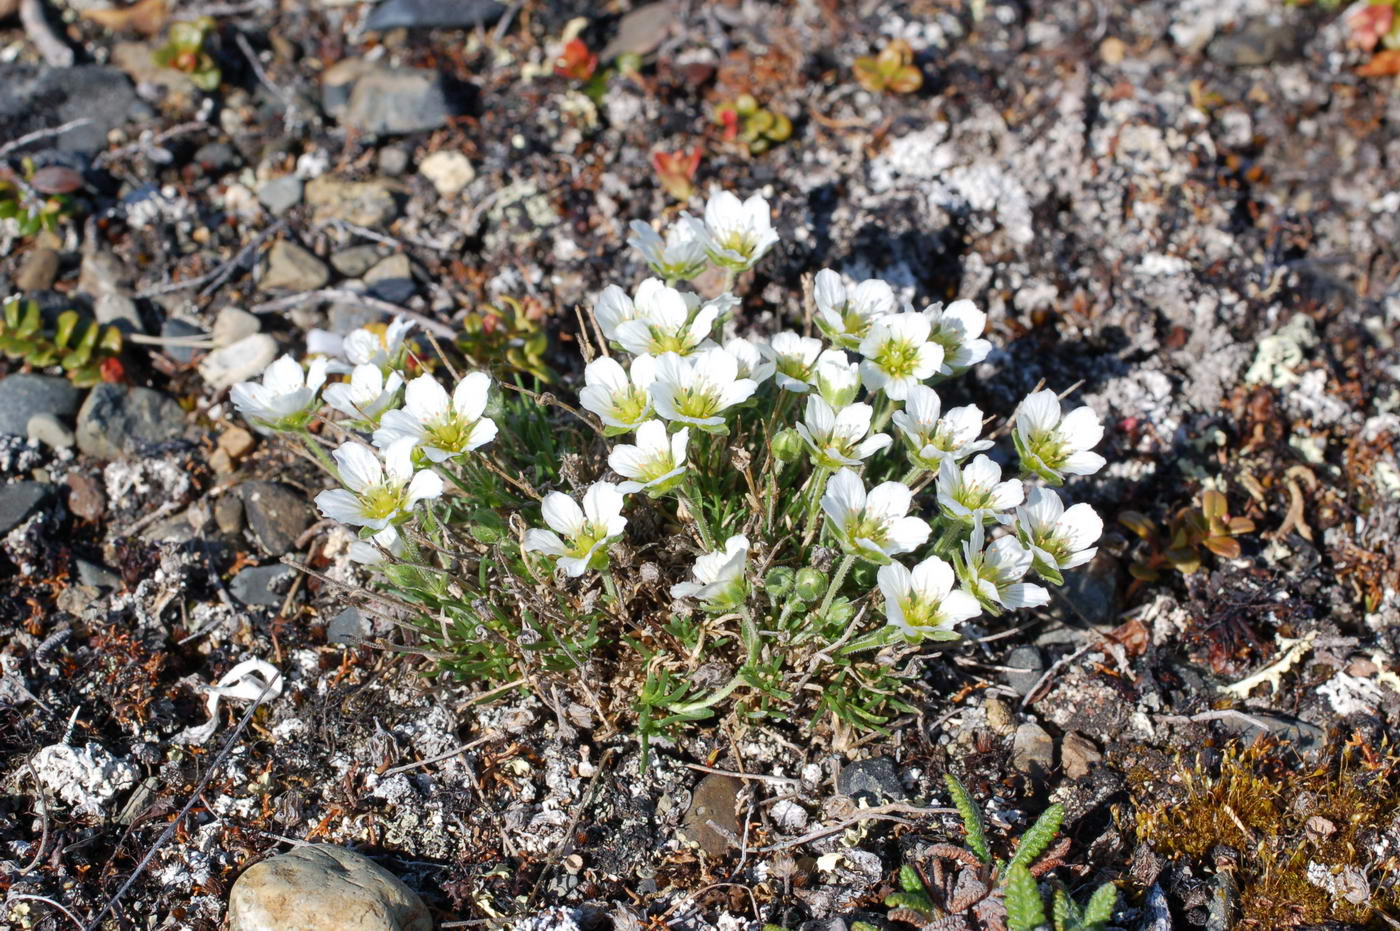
[[577, 62], [1385, 64], [1138, 523], [907, 80], [1224, 547], [1369, 24], [1213, 504], [1239, 525], [1185, 561], [112, 370], [56, 179]]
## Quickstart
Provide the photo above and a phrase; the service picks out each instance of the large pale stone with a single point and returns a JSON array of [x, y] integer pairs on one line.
[[321, 887]]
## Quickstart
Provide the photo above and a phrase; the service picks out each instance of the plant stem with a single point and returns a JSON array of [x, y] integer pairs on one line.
[[818, 483], [846, 562], [699, 516], [610, 584], [320, 453], [883, 412], [912, 474]]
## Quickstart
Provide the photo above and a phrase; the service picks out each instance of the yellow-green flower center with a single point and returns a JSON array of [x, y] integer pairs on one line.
[[452, 433], [382, 501], [898, 358]]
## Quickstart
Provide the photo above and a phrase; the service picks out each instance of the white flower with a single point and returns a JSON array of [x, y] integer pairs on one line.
[[872, 525], [958, 329], [845, 314], [442, 426], [656, 464], [621, 403], [587, 531], [680, 256], [838, 439], [923, 603], [285, 400], [719, 576], [994, 574], [750, 359], [795, 358], [371, 552], [898, 354], [666, 320], [377, 494], [837, 380], [737, 233], [698, 390], [378, 345], [975, 494], [1052, 446], [367, 395], [932, 438], [1059, 538], [612, 309]]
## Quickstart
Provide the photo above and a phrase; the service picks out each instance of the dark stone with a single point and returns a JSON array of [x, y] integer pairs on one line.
[[346, 627], [264, 586], [18, 501], [39, 98], [1306, 738], [1092, 590], [116, 422], [97, 575], [433, 14], [1029, 665], [874, 780], [1257, 43], [24, 395], [175, 327], [396, 101], [216, 157], [714, 800], [277, 514]]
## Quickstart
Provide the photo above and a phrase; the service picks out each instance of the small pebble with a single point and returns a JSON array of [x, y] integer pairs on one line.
[[49, 430]]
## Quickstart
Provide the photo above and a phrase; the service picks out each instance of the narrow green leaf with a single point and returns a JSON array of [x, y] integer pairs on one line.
[[1035, 840], [972, 818], [1099, 911], [1024, 909]]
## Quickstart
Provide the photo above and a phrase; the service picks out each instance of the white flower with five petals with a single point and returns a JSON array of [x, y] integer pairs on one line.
[[1053, 446], [898, 354], [678, 257], [621, 400], [656, 464], [844, 314], [873, 526], [974, 493], [383, 346], [994, 574], [667, 320], [367, 395], [377, 494], [1059, 538], [931, 438], [958, 329], [922, 603], [719, 577], [795, 359], [579, 537], [839, 439], [738, 233], [697, 390], [442, 426], [752, 364], [286, 398]]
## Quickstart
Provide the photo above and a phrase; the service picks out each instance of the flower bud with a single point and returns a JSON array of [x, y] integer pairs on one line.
[[810, 584], [787, 445], [779, 581]]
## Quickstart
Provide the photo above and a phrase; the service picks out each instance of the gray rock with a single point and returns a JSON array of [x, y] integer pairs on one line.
[[241, 361], [392, 279], [1029, 666], [116, 422], [397, 101], [96, 575], [39, 98], [38, 271], [24, 395], [433, 14], [280, 194], [233, 324], [875, 780], [216, 157], [346, 627], [1092, 591], [641, 31], [1032, 750], [262, 586], [321, 887], [1257, 43], [174, 327], [712, 804], [292, 268], [47, 429], [228, 514], [102, 273], [19, 500], [277, 514], [355, 261], [119, 311], [364, 203], [345, 318], [393, 160]]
